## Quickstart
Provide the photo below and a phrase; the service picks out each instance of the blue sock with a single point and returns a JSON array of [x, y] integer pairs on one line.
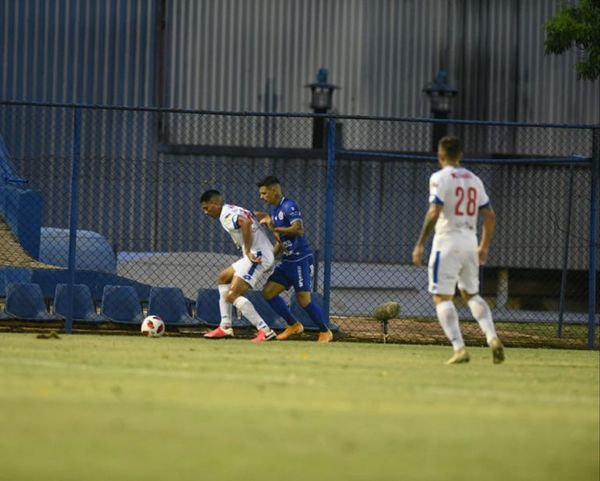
[[281, 308], [316, 314]]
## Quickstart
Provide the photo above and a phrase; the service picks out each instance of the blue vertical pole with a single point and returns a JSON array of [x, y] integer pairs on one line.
[[329, 212], [593, 238], [74, 206], [563, 278]]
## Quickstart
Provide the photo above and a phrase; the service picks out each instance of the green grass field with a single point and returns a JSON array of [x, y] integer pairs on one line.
[[113, 408]]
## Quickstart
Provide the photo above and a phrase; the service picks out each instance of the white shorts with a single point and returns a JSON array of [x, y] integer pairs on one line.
[[250, 272], [449, 267]]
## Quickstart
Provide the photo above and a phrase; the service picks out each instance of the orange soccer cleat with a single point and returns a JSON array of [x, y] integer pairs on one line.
[[326, 336], [296, 328]]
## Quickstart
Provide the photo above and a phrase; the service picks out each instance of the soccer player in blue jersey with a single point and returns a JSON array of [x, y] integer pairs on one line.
[[297, 265]]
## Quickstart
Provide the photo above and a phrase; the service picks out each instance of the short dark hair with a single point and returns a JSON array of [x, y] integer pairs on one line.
[[268, 181], [210, 195], [452, 146]]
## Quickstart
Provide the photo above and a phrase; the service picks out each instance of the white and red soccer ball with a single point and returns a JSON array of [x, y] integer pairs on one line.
[[153, 326]]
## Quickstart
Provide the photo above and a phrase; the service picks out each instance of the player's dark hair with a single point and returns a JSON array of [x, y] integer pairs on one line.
[[452, 146], [210, 195], [268, 181]]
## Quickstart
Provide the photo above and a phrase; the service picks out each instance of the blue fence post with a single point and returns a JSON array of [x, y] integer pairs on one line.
[[329, 212], [593, 238], [563, 278], [74, 206]]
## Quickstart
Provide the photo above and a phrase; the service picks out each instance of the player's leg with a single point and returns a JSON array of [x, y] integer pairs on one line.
[[448, 318], [468, 283], [443, 269], [481, 312], [316, 314], [226, 309], [302, 280], [246, 276], [294, 326], [276, 284], [483, 315]]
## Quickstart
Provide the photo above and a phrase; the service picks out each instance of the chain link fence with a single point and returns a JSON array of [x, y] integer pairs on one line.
[[136, 219]]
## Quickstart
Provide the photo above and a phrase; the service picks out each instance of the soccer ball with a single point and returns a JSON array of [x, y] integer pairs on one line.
[[153, 326]]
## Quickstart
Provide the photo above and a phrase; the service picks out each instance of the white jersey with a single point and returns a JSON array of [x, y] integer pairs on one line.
[[462, 194], [261, 245]]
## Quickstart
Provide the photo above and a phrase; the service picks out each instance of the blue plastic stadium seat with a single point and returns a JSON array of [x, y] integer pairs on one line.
[[121, 304], [207, 309], [26, 301], [304, 318], [13, 274], [48, 278], [265, 311], [170, 305], [84, 309]]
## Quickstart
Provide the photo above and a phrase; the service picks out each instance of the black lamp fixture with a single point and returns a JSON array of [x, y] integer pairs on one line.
[[321, 103], [440, 95]]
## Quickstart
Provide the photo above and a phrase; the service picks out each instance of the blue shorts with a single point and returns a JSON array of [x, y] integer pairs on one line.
[[295, 273]]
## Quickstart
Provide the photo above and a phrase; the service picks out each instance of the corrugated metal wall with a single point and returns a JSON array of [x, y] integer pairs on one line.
[[258, 55], [85, 51], [229, 55]]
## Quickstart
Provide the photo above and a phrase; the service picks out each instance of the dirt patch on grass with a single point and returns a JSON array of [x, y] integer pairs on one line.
[[411, 331]]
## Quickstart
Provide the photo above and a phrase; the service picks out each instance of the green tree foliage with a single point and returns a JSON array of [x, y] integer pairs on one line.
[[577, 26]]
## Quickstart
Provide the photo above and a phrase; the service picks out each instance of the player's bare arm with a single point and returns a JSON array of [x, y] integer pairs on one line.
[[277, 248], [487, 232], [246, 228], [428, 225], [294, 230], [267, 221], [262, 216]]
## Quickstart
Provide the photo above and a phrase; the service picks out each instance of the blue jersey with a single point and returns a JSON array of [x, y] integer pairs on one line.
[[286, 213]]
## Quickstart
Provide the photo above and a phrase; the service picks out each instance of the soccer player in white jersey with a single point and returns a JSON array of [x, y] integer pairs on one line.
[[234, 282], [456, 196]]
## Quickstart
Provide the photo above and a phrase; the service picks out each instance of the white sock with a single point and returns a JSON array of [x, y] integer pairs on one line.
[[225, 307], [248, 311], [448, 317], [482, 313]]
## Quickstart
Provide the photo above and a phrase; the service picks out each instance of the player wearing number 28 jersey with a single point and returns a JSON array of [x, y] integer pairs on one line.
[[456, 197], [461, 194]]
